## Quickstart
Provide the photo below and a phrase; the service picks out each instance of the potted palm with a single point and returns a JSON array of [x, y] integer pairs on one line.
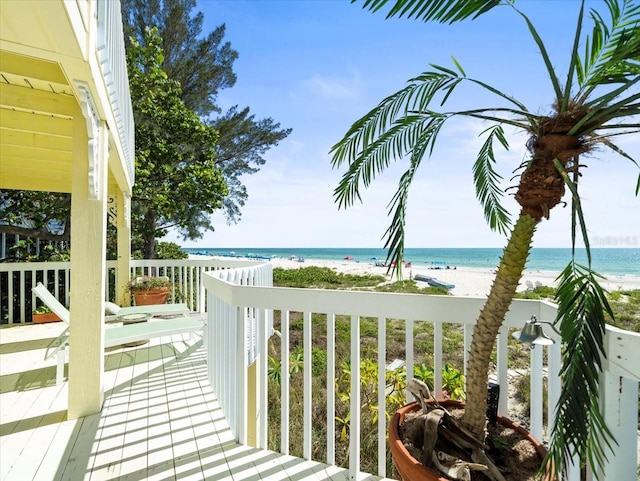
[[149, 290], [592, 106]]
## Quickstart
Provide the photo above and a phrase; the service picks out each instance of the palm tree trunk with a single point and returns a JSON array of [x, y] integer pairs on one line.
[[491, 319]]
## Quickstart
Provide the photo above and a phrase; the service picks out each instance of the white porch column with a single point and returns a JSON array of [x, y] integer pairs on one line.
[[88, 268], [619, 407], [123, 296]]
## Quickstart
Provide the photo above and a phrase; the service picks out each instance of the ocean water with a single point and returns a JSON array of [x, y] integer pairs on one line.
[[612, 261]]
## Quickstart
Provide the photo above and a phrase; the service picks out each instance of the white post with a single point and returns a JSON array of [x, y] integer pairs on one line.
[[123, 269], [536, 409], [88, 265], [619, 407]]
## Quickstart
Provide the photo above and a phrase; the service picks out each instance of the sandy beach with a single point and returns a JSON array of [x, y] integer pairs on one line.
[[467, 281]]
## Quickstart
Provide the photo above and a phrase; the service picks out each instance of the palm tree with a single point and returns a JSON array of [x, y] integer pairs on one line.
[[598, 102]]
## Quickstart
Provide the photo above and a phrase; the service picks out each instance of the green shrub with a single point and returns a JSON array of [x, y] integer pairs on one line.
[[323, 278]]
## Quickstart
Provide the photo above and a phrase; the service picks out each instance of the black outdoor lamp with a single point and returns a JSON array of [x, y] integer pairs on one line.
[[533, 334]]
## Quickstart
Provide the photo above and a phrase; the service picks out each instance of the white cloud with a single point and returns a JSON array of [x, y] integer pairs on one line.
[[333, 87]]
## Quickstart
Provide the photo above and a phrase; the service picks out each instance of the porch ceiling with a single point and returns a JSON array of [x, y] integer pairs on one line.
[[36, 126], [37, 106], [45, 48]]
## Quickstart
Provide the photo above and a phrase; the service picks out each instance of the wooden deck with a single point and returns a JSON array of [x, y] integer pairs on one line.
[[160, 419]]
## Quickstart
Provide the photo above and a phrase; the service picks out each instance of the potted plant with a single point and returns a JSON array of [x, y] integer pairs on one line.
[[44, 314], [149, 290], [592, 105]]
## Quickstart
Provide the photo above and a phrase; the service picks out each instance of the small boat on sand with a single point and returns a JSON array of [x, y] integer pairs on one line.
[[433, 282]]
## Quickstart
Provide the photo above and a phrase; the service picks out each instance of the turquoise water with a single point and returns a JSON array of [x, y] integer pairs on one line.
[[616, 261]]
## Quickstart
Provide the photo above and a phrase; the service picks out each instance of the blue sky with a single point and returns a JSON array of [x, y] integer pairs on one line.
[[316, 66]]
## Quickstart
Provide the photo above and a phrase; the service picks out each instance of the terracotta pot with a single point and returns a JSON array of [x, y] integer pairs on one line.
[[146, 297], [410, 469], [43, 317]]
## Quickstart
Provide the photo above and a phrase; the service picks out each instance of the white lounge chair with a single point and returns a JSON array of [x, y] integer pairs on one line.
[[119, 335]]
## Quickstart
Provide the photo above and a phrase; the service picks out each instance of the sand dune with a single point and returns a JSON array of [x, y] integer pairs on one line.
[[467, 281]]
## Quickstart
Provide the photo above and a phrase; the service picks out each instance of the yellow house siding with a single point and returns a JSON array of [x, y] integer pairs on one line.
[[43, 24]]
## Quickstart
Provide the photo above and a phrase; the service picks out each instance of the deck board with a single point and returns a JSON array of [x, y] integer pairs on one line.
[[160, 421]]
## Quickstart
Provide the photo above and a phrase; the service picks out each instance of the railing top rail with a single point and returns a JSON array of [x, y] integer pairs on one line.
[[215, 263], [32, 266], [448, 309]]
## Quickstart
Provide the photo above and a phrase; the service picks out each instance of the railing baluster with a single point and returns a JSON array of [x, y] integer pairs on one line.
[[437, 359], [307, 399], [536, 391], [284, 379], [241, 391], [409, 350], [354, 423], [10, 297], [331, 388], [382, 398], [503, 380], [554, 353], [263, 361], [468, 335]]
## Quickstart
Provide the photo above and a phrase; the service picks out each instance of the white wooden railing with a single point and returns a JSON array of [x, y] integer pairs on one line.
[[235, 339], [236, 304], [18, 279], [113, 64]]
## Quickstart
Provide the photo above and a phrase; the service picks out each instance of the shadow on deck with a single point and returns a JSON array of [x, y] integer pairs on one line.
[[160, 420]]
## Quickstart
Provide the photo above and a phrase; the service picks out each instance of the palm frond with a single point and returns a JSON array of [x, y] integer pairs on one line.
[[521, 106], [579, 428], [574, 61], [397, 142], [605, 140], [577, 216], [393, 129], [611, 54], [398, 207], [415, 97], [520, 124], [596, 117], [443, 11], [545, 56], [486, 181], [607, 98]]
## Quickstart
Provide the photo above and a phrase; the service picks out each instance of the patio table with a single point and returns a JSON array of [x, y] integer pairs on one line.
[[134, 318]]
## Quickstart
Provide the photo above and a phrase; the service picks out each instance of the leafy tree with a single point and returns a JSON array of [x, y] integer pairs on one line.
[[40, 215], [170, 250], [177, 182], [203, 65], [596, 103]]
